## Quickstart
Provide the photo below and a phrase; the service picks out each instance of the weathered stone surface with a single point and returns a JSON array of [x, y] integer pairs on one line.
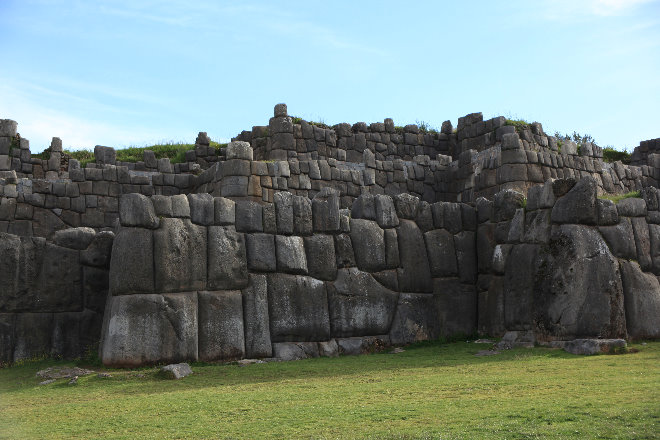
[[491, 308], [364, 207], [441, 253], [541, 196], [99, 250], [385, 211], [325, 210], [221, 333], [594, 346], [74, 238], [302, 216], [32, 335], [620, 239], [577, 287], [137, 210], [506, 203], [361, 345], [642, 242], [290, 252], [179, 256], [256, 320], [368, 242], [176, 371], [249, 216], [328, 348], [227, 260], [631, 207], [641, 292], [456, 306], [416, 319], [132, 262], [466, 255], [654, 233], [519, 279], [414, 274], [579, 205], [321, 260], [359, 305], [284, 212], [293, 351], [607, 213], [239, 150], [298, 309], [537, 226], [202, 209], [261, 255], [180, 206], [145, 329], [344, 251], [406, 206], [224, 211]]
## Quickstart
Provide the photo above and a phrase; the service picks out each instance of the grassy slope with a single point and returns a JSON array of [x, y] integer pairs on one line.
[[429, 391]]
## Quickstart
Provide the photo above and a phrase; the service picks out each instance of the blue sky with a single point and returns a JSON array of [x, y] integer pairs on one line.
[[123, 73]]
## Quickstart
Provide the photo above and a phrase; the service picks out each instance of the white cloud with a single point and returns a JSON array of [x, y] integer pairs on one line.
[[572, 9]]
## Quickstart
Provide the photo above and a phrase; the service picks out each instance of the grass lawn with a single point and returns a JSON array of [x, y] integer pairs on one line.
[[429, 391]]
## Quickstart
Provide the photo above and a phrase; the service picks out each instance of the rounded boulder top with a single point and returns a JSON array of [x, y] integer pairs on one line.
[[280, 110]]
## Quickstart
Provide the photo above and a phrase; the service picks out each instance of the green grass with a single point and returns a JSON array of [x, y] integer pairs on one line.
[[175, 151], [429, 391], [519, 124], [611, 155], [616, 198]]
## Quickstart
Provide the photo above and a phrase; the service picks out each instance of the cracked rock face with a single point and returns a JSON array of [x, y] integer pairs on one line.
[[578, 290]]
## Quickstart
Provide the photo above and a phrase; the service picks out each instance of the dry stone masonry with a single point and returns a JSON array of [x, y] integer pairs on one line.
[[300, 240]]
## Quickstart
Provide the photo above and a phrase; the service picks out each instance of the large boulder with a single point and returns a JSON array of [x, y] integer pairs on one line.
[[131, 264], [414, 274], [415, 319], [298, 308], [359, 305], [148, 329], [519, 281], [137, 210], [221, 334], [641, 292], [255, 318], [577, 288], [441, 252], [579, 205], [456, 306], [179, 256], [368, 242], [321, 261], [227, 260]]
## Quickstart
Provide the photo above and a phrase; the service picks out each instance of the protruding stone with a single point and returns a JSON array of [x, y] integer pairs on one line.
[[239, 150], [137, 210]]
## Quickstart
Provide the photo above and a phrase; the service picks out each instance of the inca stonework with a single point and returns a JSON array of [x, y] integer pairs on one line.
[[298, 240]]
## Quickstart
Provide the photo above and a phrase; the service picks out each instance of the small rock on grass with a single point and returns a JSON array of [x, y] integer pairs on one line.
[[487, 353], [74, 380], [62, 372], [484, 341], [397, 350], [176, 371], [47, 382], [246, 362], [104, 375]]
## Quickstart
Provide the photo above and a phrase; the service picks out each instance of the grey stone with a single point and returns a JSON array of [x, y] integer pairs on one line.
[[261, 255], [328, 348], [406, 206], [290, 254], [641, 292], [537, 226], [238, 150], [293, 351], [105, 155], [221, 332], [620, 239], [562, 186], [414, 274], [99, 250], [176, 371], [441, 253], [146, 329], [325, 210], [359, 305], [227, 260], [225, 211], [137, 210], [368, 242], [256, 320], [506, 203], [344, 251], [362, 345], [74, 238], [321, 261], [631, 207], [594, 346], [456, 306], [578, 205], [302, 216], [541, 196], [415, 320], [249, 216], [642, 242], [202, 210], [298, 309], [391, 249], [162, 205], [180, 206], [284, 212], [385, 211], [466, 255], [607, 213], [132, 262], [577, 286], [179, 256], [364, 207]]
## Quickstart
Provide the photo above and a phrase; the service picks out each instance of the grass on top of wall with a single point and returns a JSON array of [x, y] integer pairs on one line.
[[431, 390], [616, 198], [174, 150]]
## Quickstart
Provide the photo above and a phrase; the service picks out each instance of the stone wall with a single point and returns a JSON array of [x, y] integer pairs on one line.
[[52, 293]]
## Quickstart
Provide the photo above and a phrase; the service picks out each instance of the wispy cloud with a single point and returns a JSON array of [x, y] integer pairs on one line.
[[571, 9]]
